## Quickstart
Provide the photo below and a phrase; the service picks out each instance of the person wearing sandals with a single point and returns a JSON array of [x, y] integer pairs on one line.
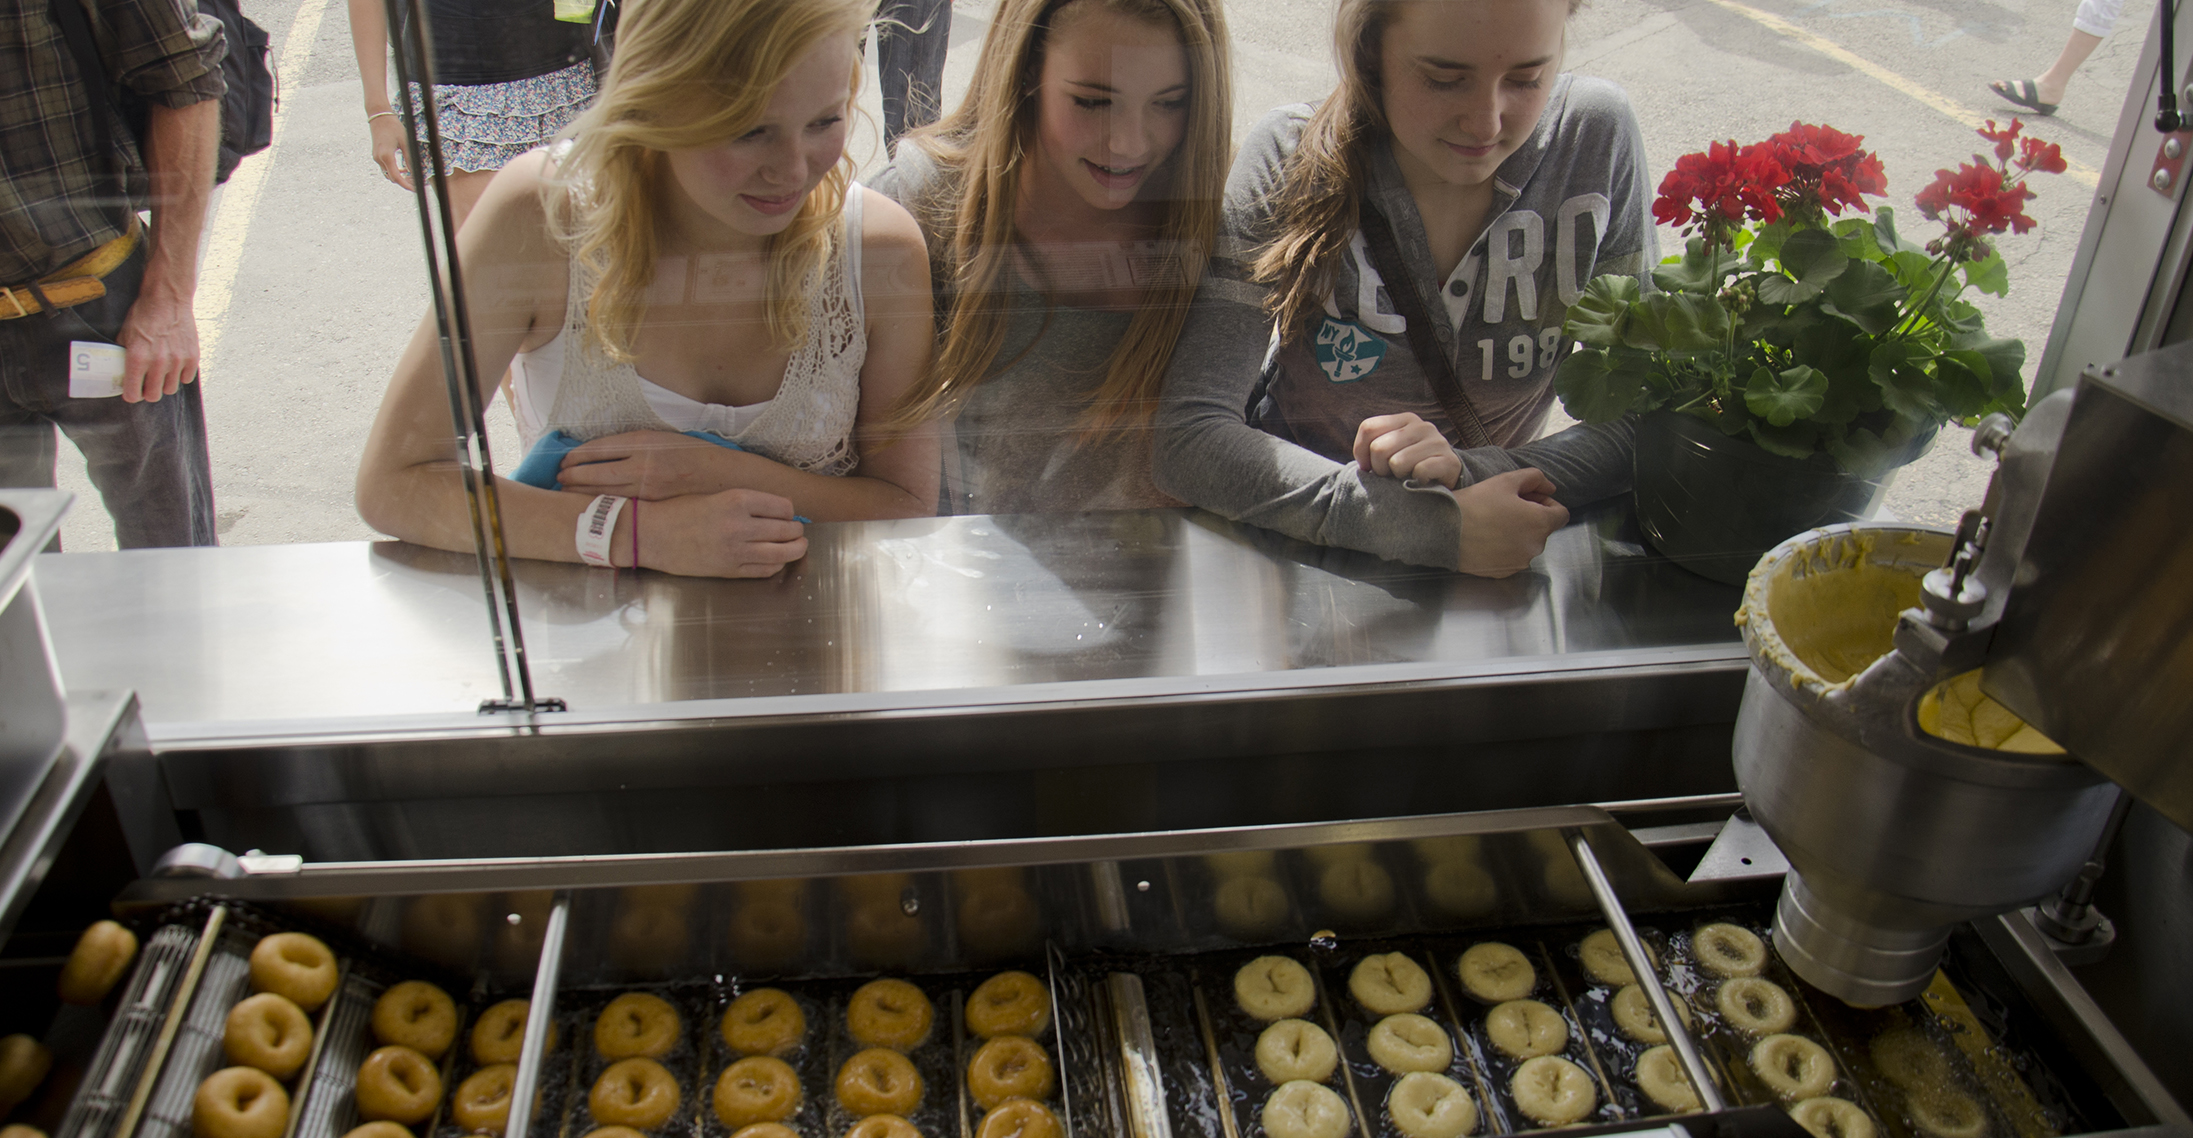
[[2044, 92], [508, 76], [1458, 174]]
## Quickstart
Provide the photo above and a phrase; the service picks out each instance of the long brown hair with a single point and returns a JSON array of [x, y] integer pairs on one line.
[[690, 73], [982, 147]]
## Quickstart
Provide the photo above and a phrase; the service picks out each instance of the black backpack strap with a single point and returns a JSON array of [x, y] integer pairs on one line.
[[76, 29], [1423, 336]]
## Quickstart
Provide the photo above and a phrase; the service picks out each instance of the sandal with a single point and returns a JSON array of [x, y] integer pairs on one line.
[[2024, 93]]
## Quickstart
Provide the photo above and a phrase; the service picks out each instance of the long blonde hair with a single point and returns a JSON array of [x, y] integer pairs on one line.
[[983, 147], [690, 73]]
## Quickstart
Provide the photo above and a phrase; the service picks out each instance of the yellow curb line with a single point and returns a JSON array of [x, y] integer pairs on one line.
[[1932, 99]]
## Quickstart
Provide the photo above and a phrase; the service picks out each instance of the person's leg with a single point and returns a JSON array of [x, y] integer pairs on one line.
[[911, 38], [2050, 84], [33, 371], [465, 188]]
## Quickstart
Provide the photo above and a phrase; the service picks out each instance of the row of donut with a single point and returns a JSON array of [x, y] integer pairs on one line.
[[1353, 884], [101, 957]]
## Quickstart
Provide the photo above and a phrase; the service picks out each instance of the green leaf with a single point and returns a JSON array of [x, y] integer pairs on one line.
[[1864, 453], [1777, 290], [1965, 387], [1899, 371], [1884, 232], [1694, 271], [1766, 244], [1797, 440], [1959, 317], [1782, 398], [1990, 275], [2005, 362], [1597, 318], [1868, 295], [1915, 270], [1678, 322], [1813, 256], [1856, 236], [1598, 386]]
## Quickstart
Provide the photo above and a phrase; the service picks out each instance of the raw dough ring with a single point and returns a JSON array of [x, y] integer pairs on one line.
[[23, 1065], [239, 1102], [1754, 1006], [381, 1129], [764, 1021], [1828, 1117], [1009, 1067], [1553, 1091], [1304, 1110], [417, 1015], [1793, 1067], [1389, 984], [1356, 888], [873, 1126], [1009, 1003], [889, 1013], [499, 1034], [482, 1101], [1601, 955], [758, 1088], [296, 966], [1947, 1114], [1660, 1076], [1275, 987], [1406, 1043], [639, 1093], [1020, 1118], [1633, 1014], [268, 1032], [1296, 1049], [1729, 950], [397, 1084], [1424, 1105], [1496, 972], [96, 964], [1526, 1029], [1908, 1059], [879, 1081]]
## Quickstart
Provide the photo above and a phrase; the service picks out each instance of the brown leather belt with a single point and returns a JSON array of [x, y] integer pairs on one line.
[[75, 283]]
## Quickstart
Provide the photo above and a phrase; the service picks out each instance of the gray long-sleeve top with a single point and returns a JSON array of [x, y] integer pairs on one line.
[[1571, 204]]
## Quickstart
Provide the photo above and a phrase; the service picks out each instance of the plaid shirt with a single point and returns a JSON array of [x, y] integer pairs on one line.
[[57, 174]]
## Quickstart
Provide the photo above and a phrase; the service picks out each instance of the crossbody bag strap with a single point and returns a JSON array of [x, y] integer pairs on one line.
[[1438, 368]]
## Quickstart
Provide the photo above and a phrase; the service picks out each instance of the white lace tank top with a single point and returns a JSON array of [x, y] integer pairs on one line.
[[808, 425]]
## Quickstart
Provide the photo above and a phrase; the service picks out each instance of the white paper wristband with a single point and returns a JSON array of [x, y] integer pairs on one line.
[[597, 523]]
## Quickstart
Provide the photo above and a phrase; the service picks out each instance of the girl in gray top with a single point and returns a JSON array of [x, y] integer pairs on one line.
[[1069, 204], [1506, 186]]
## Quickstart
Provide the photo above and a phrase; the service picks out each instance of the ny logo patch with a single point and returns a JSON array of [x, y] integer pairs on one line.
[[1347, 350]]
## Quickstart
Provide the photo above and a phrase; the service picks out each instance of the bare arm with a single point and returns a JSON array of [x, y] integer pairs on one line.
[[369, 40], [161, 331]]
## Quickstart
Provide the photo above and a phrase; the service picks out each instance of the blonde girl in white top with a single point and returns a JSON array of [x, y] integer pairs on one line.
[[695, 259]]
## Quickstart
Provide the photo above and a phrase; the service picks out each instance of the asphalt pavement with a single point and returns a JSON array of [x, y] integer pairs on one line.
[[314, 277]]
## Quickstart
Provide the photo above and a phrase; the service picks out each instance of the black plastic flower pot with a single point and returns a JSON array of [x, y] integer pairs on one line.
[[1715, 504]]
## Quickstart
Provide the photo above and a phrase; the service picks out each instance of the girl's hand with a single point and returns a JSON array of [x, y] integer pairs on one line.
[[737, 533], [388, 148], [1506, 520], [1405, 446], [649, 465]]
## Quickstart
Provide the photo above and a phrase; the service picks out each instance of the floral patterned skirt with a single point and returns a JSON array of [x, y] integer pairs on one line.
[[486, 125]]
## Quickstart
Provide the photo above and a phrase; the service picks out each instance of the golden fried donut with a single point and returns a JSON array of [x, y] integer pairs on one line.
[[766, 1130], [1250, 906], [239, 1102], [758, 1088], [418, 1015], [1526, 1029], [637, 1025], [270, 1033], [1009, 1067], [879, 1081], [1946, 1113], [499, 1034], [1304, 1110], [1633, 1014], [397, 1084], [1829, 1117], [1754, 1006], [1660, 1076], [639, 1093], [1275, 987], [1553, 1091], [1296, 1049], [889, 1013], [1793, 1067], [1728, 950], [1405, 1043], [482, 1101], [764, 1021], [768, 933], [1908, 1059], [1461, 888], [997, 918], [1009, 1003], [96, 964], [1424, 1105], [614, 1132], [18, 1130], [1496, 972], [1242, 863], [295, 966], [23, 1065], [1356, 889], [381, 1129], [1601, 955], [873, 1126], [1390, 984], [1021, 1118]]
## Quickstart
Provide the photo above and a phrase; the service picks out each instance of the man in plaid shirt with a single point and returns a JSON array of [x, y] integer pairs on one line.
[[76, 265]]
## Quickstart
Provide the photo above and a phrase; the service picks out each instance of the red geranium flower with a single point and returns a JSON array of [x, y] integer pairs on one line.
[[1827, 171], [1974, 201], [2046, 157], [2004, 138], [1721, 189]]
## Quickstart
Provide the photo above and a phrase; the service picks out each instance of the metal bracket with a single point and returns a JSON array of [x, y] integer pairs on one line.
[[1743, 852], [2169, 168]]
